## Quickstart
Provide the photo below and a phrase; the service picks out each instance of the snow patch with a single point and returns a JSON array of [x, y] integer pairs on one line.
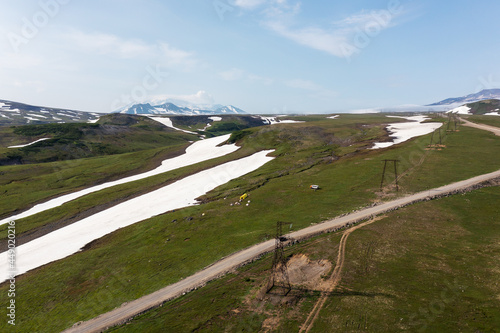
[[215, 118], [197, 152], [36, 115], [492, 114], [333, 117], [460, 110], [29, 144], [275, 120], [70, 239], [401, 132], [168, 122]]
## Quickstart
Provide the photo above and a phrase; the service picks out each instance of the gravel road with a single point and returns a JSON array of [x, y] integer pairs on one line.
[[129, 310]]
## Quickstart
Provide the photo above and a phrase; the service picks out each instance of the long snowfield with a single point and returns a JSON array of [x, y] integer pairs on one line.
[[401, 132], [70, 239], [198, 152]]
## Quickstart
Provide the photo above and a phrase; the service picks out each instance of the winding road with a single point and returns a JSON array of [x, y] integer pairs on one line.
[[238, 259], [129, 310], [492, 129]]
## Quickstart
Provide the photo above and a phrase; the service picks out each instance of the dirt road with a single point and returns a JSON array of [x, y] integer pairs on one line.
[[334, 279], [222, 267], [136, 307], [492, 129]]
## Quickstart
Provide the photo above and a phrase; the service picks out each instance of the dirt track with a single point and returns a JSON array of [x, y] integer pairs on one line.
[[129, 310], [334, 278], [492, 129], [136, 307]]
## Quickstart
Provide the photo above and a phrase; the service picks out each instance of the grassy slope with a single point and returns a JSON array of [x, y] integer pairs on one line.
[[113, 134], [24, 185], [130, 262], [89, 204], [145, 142], [431, 267], [487, 120], [227, 124]]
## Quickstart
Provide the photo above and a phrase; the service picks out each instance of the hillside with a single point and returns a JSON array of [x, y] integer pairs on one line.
[[14, 113], [329, 152], [471, 98], [486, 107], [417, 269], [113, 134]]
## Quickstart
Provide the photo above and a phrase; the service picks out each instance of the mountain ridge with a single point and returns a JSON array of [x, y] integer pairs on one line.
[[16, 113], [169, 108], [484, 94]]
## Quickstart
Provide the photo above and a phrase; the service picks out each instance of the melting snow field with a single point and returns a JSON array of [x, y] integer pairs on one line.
[[29, 144], [275, 120], [461, 110], [168, 122], [198, 152], [70, 239], [402, 132]]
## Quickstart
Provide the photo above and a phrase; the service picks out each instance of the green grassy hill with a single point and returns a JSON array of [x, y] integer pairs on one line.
[[144, 257], [431, 267], [483, 107], [113, 134]]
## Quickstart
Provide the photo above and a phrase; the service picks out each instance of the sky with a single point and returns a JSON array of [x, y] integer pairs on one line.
[[263, 56]]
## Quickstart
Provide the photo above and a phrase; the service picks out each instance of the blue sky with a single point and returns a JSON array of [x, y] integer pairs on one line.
[[264, 56]]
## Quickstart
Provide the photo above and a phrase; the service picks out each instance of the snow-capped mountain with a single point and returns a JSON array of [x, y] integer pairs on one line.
[[167, 107], [482, 95], [14, 113]]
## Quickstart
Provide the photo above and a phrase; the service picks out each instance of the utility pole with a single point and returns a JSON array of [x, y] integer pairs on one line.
[[395, 173], [279, 275]]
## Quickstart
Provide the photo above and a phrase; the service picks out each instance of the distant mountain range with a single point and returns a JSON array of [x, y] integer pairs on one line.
[[480, 96], [179, 108], [14, 113]]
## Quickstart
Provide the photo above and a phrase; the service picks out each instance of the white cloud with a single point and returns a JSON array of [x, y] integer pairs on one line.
[[114, 46], [200, 98], [249, 4], [11, 60], [342, 38], [110, 45], [253, 4]]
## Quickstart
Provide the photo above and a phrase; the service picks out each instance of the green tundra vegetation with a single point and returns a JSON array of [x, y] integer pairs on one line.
[[332, 153]]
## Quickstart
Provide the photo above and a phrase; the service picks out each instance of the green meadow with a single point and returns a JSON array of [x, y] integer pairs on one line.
[[142, 258]]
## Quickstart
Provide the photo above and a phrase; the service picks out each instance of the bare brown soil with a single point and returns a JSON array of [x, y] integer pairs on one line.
[[334, 279]]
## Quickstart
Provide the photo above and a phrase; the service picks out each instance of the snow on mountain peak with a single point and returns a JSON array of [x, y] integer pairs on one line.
[[172, 106]]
